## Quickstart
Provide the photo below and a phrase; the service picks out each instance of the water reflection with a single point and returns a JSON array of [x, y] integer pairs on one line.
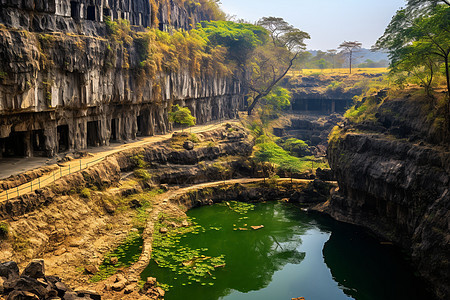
[[366, 269], [295, 254]]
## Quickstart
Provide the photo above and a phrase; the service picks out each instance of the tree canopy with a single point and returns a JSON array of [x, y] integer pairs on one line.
[[182, 116], [262, 53], [418, 41], [350, 47]]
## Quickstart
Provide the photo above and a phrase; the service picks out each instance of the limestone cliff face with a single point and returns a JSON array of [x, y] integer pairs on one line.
[[394, 178], [65, 86]]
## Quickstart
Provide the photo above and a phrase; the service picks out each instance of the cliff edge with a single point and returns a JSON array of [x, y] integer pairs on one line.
[[392, 162]]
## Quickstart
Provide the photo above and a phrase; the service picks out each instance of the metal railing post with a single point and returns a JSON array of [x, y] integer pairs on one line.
[[60, 172], [31, 185], [17, 191], [39, 182], [80, 164], [7, 196], [54, 176]]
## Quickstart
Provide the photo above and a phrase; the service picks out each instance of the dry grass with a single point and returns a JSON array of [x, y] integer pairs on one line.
[[340, 71]]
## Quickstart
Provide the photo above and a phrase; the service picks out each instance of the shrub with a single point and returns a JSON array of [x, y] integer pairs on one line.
[[138, 161], [142, 174], [4, 230], [85, 193]]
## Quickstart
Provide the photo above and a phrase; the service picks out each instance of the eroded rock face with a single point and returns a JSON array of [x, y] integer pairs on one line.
[[65, 86], [398, 188], [33, 284]]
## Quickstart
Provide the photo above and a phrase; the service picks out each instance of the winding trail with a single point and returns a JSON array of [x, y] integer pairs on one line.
[[162, 202], [96, 156]]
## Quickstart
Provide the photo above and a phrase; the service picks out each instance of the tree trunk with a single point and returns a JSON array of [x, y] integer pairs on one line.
[[448, 92], [351, 62]]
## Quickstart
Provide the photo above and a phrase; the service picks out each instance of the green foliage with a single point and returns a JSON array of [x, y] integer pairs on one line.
[[181, 115], [126, 253], [240, 39], [194, 138], [419, 40], [4, 230], [278, 99], [295, 146], [362, 111], [119, 31], [85, 193], [241, 208], [142, 174], [138, 161]]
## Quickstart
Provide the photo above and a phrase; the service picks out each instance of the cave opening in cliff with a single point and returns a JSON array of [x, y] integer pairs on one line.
[[38, 142], [114, 125], [75, 10], [14, 145], [63, 138], [90, 13], [139, 121], [93, 134]]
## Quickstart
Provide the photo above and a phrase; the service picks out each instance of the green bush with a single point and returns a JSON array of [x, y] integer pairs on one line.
[[142, 174], [295, 146], [4, 230], [138, 161], [85, 193]]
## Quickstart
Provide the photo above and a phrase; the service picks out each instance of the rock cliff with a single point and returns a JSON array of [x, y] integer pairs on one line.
[[64, 85], [393, 171]]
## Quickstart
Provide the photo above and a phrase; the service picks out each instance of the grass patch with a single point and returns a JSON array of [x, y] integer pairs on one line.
[[341, 71], [4, 230], [124, 255], [142, 174], [85, 193]]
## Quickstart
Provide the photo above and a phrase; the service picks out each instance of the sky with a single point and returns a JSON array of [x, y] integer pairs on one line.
[[329, 22]]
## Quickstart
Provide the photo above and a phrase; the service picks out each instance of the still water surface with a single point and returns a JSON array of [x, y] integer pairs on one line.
[[296, 254]]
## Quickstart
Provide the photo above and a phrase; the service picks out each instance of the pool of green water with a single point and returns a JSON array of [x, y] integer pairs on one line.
[[296, 254]]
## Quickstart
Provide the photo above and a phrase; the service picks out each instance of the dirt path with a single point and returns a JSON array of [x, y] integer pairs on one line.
[[96, 155], [136, 269]]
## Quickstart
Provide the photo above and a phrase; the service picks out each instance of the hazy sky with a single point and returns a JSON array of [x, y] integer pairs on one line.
[[329, 22]]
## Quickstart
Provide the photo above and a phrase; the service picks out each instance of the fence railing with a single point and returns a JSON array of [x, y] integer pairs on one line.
[[46, 179]]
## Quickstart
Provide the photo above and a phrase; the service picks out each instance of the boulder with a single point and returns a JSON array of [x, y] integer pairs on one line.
[[9, 270], [35, 269], [188, 145], [29, 284], [89, 294], [22, 295]]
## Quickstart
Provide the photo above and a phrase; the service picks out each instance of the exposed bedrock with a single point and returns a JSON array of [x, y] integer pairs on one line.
[[394, 183], [70, 87]]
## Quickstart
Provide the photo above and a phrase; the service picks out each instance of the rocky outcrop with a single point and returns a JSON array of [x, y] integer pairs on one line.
[[108, 172], [34, 284], [304, 192], [321, 93], [65, 85], [395, 179]]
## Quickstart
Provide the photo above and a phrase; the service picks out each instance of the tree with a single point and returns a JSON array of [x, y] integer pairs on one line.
[[273, 60], [412, 34], [332, 53], [262, 53], [182, 116], [350, 47]]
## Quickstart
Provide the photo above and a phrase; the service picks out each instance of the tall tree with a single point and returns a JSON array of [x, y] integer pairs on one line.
[[350, 48], [182, 116], [263, 53], [412, 33], [273, 60]]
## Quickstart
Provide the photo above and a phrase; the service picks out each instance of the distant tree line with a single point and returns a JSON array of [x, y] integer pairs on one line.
[[335, 59]]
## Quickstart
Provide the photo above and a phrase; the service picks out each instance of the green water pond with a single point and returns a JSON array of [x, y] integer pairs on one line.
[[296, 254]]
